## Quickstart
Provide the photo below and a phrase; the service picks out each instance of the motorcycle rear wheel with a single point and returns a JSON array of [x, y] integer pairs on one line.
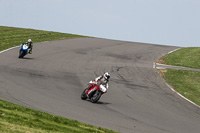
[[84, 94]]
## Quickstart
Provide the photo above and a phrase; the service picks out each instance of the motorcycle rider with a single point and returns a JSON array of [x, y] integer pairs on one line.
[[102, 79], [30, 46]]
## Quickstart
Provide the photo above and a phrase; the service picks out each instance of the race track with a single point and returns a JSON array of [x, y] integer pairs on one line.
[[138, 100]]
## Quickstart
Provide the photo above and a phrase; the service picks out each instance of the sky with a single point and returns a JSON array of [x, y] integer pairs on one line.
[[165, 22]]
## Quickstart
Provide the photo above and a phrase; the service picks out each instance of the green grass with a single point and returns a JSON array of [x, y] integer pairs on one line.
[[11, 36], [18, 119], [187, 83], [187, 57]]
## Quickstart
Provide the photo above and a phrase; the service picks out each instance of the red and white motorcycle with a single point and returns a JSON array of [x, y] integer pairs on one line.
[[94, 93]]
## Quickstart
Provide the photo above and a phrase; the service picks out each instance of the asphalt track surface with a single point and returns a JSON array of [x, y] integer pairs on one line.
[[138, 100]]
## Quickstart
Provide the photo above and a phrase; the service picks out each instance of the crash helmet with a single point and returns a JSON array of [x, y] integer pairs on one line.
[[106, 76], [29, 41]]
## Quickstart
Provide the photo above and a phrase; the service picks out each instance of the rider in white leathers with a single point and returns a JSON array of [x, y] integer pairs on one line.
[[102, 80]]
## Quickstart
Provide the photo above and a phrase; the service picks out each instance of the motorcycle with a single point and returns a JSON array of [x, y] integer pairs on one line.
[[23, 50], [94, 93]]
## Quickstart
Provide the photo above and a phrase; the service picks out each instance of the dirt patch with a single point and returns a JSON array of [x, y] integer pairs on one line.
[[161, 61], [162, 72]]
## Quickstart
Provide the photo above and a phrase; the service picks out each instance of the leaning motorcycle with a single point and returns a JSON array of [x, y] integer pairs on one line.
[[94, 93], [23, 50]]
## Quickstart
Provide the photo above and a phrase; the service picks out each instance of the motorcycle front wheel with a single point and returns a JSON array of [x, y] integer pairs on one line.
[[21, 54], [95, 97]]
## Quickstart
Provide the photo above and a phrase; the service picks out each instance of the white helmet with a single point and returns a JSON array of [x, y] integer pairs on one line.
[[106, 76], [29, 40]]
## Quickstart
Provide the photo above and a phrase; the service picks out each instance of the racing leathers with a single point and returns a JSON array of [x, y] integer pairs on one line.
[[100, 81]]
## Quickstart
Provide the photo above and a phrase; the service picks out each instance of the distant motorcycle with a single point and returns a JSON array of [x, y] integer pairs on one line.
[[23, 50], [94, 93]]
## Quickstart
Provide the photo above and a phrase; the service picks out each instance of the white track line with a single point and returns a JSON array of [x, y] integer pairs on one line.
[[170, 86], [8, 49], [154, 65], [173, 50], [181, 95]]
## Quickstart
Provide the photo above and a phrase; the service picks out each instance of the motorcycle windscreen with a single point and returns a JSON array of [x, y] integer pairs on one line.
[[24, 47]]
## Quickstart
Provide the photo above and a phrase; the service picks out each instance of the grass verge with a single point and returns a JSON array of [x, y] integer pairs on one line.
[[11, 36], [18, 119], [185, 82], [187, 57]]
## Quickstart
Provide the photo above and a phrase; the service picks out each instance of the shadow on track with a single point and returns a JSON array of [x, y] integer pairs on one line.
[[27, 58], [99, 102], [104, 103]]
